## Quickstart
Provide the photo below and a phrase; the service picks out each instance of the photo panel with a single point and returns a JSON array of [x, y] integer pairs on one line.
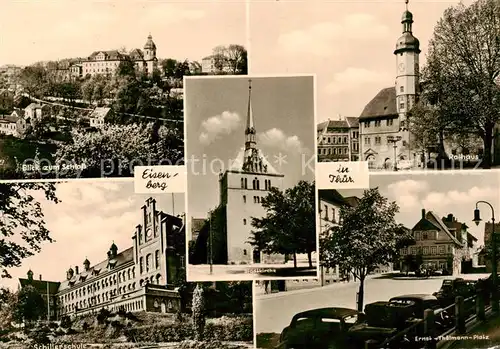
[[390, 92], [80, 99], [387, 252], [97, 263], [250, 177]]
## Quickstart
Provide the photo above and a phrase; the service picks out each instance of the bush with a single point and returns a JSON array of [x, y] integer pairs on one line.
[[189, 344], [222, 329]]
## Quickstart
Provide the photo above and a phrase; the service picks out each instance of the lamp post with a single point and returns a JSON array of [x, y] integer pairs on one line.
[[394, 140], [211, 249], [494, 275]]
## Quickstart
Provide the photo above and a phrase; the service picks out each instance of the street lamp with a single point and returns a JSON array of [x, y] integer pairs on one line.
[[211, 249], [394, 140], [494, 275]]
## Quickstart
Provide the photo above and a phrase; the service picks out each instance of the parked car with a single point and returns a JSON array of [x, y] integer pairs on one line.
[[450, 289], [329, 328], [421, 302]]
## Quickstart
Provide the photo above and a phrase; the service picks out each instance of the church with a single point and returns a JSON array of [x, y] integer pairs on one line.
[[385, 139], [138, 278]]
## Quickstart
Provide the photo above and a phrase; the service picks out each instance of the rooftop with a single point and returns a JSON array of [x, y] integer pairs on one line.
[[382, 105]]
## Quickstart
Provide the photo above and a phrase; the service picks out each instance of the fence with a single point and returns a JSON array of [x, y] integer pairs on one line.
[[427, 332]]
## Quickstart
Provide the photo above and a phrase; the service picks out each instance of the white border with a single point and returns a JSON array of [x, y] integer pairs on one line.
[[250, 277], [254, 319]]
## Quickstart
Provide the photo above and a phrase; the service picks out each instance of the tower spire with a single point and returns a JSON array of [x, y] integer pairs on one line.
[[406, 4], [250, 128]]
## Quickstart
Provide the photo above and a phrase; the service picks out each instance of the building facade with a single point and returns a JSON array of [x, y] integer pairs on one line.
[[440, 243], [107, 62], [242, 187], [209, 65], [139, 278], [338, 140], [384, 129]]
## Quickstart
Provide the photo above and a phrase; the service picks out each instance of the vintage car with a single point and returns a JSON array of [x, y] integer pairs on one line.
[[330, 328], [421, 302], [450, 289]]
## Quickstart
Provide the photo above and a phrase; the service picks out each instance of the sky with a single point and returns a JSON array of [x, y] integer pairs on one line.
[[348, 44], [448, 192], [216, 109], [33, 31], [90, 217]]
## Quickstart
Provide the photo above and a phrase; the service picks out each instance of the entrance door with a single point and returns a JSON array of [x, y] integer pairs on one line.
[[163, 307], [256, 256]]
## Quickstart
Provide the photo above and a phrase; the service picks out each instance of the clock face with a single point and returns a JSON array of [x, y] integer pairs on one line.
[[401, 67], [148, 233]]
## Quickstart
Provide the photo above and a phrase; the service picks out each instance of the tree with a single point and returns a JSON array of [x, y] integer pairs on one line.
[[30, 305], [237, 59], [114, 150], [199, 311], [466, 48], [367, 238], [219, 58], [22, 228], [168, 67], [8, 301], [34, 80], [126, 68], [289, 226]]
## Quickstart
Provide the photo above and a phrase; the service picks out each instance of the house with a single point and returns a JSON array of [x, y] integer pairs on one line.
[[98, 115], [209, 65], [338, 140], [483, 258], [196, 226], [439, 243], [35, 112], [47, 289], [8, 125]]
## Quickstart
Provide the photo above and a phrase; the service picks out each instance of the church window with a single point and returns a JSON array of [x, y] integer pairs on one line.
[[244, 199], [244, 221], [157, 259], [148, 262], [141, 264]]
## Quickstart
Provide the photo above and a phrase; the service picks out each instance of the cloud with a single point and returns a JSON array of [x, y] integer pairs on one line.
[[406, 193], [321, 39], [276, 138], [216, 126], [353, 78], [442, 201]]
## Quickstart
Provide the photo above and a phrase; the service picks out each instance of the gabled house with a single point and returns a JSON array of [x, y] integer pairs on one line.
[[97, 116], [440, 244]]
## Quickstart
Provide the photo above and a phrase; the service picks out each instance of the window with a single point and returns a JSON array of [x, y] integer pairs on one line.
[[378, 140], [326, 212], [390, 122], [367, 140], [426, 250], [141, 265], [377, 123], [244, 199], [244, 252], [246, 183], [244, 221], [328, 141], [333, 215], [401, 89], [441, 250], [367, 124], [413, 250], [433, 250], [425, 236], [148, 262], [345, 140], [157, 259], [401, 105], [243, 183]]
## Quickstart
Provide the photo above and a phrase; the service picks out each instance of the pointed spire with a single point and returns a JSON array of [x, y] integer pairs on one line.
[[250, 128], [406, 3]]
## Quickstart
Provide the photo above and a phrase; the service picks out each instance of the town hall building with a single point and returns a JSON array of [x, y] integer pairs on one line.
[[384, 129], [138, 278]]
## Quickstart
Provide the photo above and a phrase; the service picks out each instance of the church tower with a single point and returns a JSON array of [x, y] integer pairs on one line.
[[407, 76], [242, 187], [150, 55]]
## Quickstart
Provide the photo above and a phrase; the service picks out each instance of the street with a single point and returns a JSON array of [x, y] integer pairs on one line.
[[273, 312]]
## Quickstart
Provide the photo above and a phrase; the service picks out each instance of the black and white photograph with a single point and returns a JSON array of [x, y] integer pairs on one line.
[[98, 89], [402, 85], [406, 263], [251, 193], [93, 264]]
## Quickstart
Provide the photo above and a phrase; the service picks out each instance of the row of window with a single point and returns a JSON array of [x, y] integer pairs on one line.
[[256, 199], [149, 261], [326, 215], [378, 141], [256, 184], [378, 123], [336, 140], [334, 151], [426, 250]]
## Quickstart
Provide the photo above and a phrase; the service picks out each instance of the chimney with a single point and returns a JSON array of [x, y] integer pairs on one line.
[[423, 213], [450, 217], [76, 270], [40, 277]]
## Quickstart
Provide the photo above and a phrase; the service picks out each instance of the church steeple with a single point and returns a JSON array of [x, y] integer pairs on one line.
[[407, 42], [250, 142]]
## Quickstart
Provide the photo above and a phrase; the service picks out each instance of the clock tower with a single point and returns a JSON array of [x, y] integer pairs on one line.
[[407, 77]]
